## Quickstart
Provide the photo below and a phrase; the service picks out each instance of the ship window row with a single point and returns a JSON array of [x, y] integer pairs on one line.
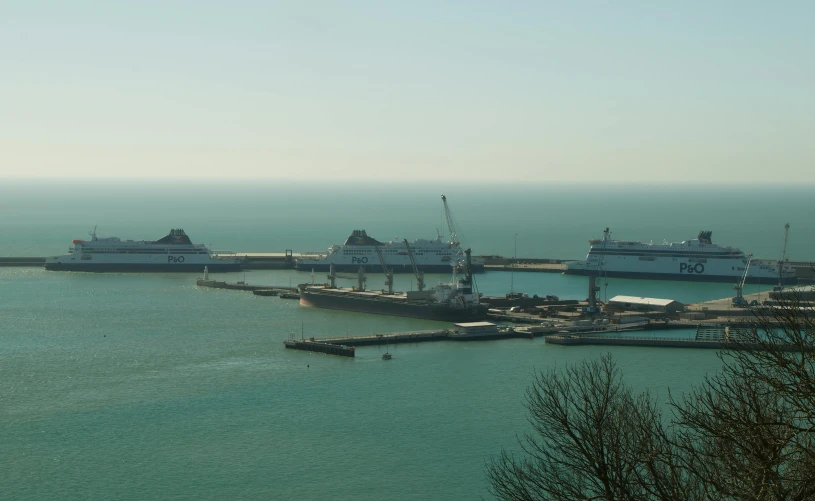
[[368, 252], [595, 248], [138, 251], [669, 254]]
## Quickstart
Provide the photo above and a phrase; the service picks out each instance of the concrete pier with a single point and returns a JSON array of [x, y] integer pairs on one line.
[[316, 346], [724, 309], [578, 340], [239, 286], [22, 261], [527, 267], [395, 338]]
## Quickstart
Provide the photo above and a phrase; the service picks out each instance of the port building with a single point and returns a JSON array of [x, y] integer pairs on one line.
[[476, 329], [645, 304]]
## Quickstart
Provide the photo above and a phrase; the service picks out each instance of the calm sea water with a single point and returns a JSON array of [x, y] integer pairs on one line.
[[142, 386]]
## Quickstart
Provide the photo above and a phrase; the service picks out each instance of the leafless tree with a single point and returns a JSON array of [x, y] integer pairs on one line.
[[592, 439], [747, 433]]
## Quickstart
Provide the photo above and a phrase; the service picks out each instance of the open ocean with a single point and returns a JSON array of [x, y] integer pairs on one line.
[[142, 386]]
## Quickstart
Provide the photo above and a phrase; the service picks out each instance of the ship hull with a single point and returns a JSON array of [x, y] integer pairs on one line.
[[678, 277], [350, 302], [441, 269], [143, 268]]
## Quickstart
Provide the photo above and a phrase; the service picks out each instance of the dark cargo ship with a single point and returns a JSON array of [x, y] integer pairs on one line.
[[450, 302]]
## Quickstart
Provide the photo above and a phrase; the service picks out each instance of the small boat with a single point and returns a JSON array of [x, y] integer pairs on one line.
[[386, 356]]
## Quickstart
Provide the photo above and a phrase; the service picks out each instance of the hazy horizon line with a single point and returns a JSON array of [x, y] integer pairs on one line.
[[457, 181]]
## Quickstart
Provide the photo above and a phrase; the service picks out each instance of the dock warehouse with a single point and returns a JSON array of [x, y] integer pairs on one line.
[[476, 328], [646, 303]]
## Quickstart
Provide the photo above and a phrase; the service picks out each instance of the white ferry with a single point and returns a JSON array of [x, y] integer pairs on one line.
[[360, 250], [698, 259], [173, 252]]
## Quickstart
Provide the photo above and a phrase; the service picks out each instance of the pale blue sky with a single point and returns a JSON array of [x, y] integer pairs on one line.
[[644, 91]]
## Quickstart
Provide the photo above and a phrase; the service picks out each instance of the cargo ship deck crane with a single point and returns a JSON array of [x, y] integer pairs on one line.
[[388, 273], [419, 274], [738, 299], [783, 259], [451, 224]]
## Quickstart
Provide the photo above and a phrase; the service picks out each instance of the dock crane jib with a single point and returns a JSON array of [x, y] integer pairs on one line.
[[738, 299], [388, 273], [783, 259], [419, 274], [457, 259], [451, 224]]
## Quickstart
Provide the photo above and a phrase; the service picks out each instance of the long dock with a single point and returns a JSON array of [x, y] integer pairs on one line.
[[763, 303], [240, 286], [396, 338], [527, 267], [804, 270], [331, 349], [321, 345], [22, 261], [578, 340]]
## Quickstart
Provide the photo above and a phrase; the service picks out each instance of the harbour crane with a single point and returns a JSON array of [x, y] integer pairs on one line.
[[388, 273], [457, 260], [738, 300], [419, 274], [783, 259], [451, 224]]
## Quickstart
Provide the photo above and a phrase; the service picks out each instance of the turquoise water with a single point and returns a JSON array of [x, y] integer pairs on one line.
[[142, 386]]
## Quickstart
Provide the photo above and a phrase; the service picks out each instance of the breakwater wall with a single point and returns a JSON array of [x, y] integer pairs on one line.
[[22, 261], [239, 286], [722, 344]]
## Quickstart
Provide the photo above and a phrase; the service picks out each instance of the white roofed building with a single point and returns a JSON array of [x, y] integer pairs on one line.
[[646, 303]]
